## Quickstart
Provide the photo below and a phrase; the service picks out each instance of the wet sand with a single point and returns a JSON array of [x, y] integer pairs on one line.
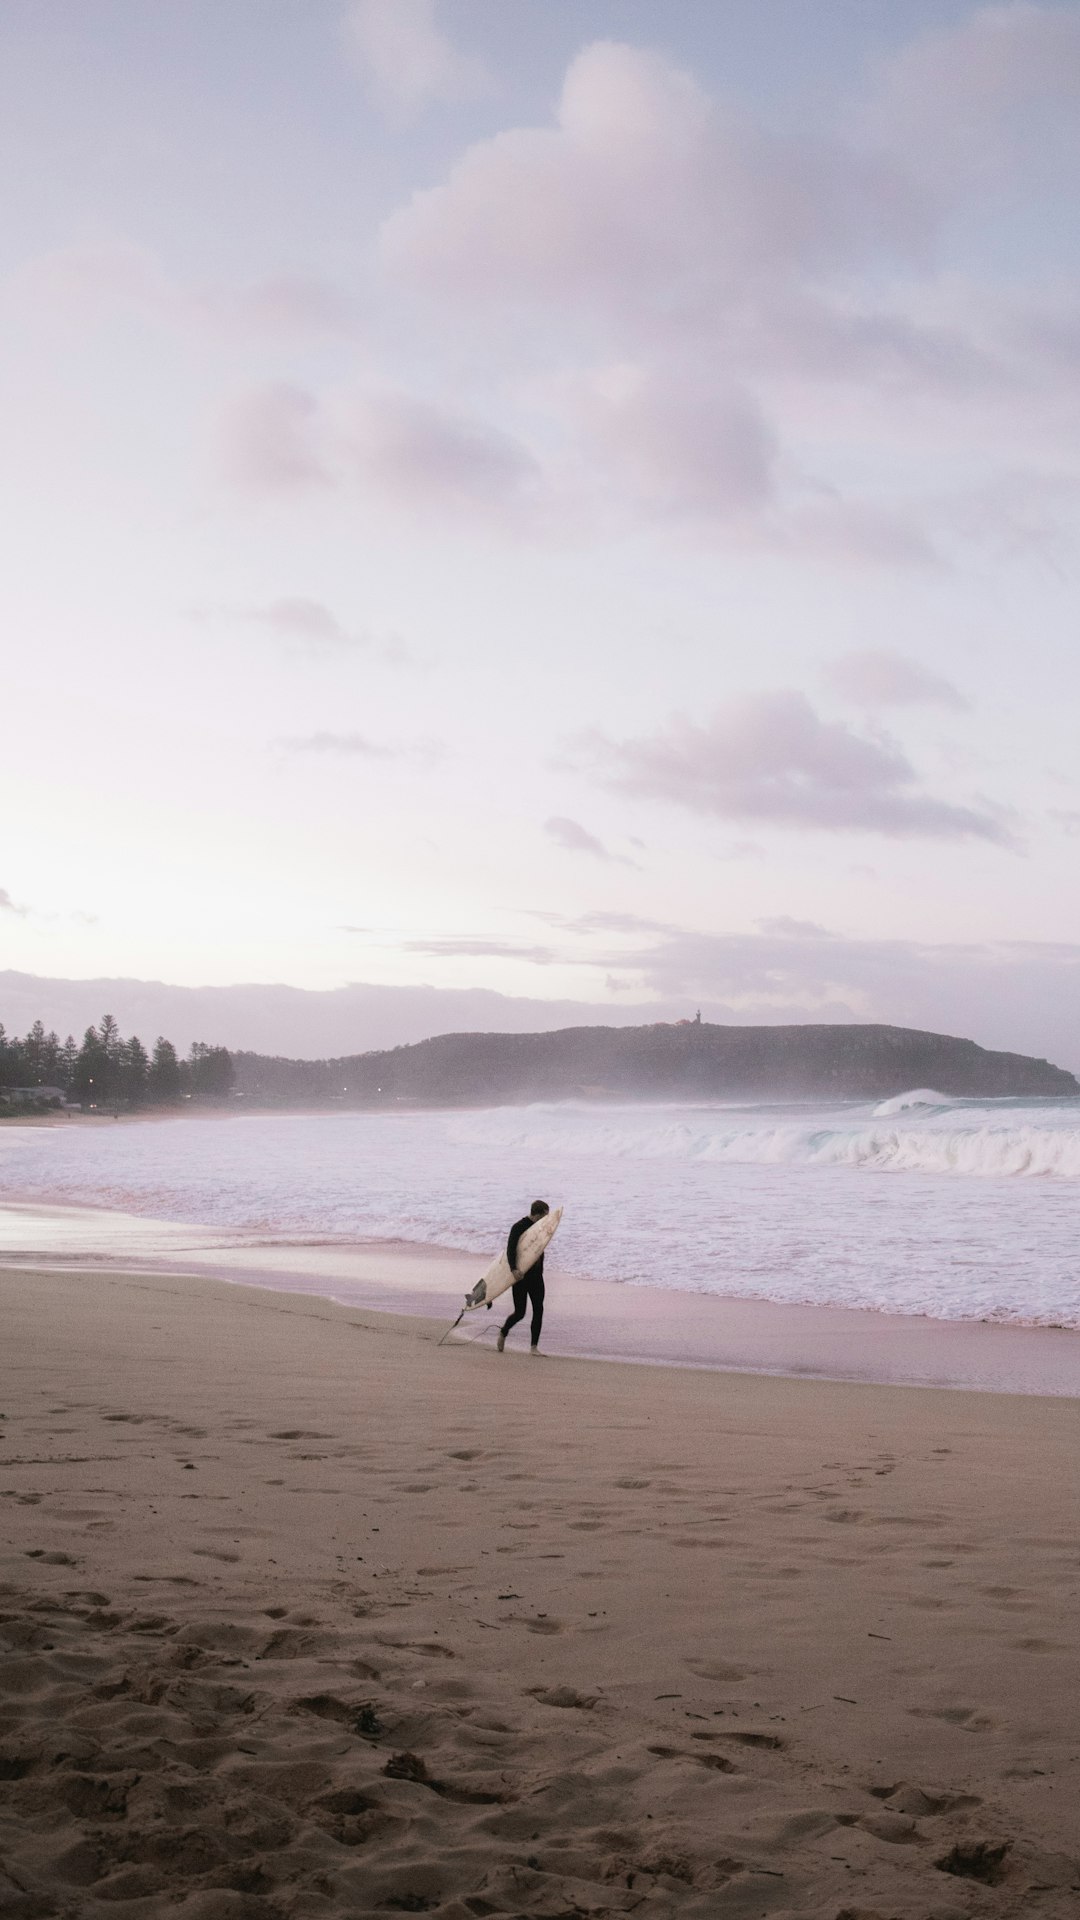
[[306, 1615], [586, 1318]]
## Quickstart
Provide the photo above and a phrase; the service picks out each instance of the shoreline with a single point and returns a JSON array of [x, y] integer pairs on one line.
[[585, 1319], [304, 1614]]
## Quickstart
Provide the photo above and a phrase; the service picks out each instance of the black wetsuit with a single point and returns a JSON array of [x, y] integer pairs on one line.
[[529, 1290]]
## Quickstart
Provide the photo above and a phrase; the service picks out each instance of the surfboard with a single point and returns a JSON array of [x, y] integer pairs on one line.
[[529, 1248]]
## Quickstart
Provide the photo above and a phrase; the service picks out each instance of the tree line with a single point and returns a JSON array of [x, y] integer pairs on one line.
[[109, 1071]]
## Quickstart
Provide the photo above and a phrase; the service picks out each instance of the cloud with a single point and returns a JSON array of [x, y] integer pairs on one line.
[[89, 281], [644, 196], [605, 922], [7, 904], [872, 677], [1067, 818], [408, 60], [575, 838], [294, 304], [270, 439], [998, 91], [452, 948], [397, 447], [356, 746], [308, 623], [345, 743], [786, 928], [428, 456], [672, 444], [770, 757]]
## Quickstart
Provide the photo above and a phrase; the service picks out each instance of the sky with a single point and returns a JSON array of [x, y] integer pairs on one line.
[[527, 510]]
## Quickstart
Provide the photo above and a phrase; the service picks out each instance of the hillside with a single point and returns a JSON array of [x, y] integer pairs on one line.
[[689, 1061]]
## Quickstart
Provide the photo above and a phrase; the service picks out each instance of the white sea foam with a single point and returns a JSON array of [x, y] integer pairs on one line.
[[955, 1209], [918, 1097], [946, 1137]]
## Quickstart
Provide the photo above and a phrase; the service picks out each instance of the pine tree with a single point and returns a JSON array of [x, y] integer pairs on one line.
[[211, 1072], [33, 1052], [69, 1054], [134, 1069], [90, 1079], [163, 1081], [112, 1048]]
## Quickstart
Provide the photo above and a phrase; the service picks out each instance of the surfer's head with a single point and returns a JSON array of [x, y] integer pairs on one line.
[[538, 1209]]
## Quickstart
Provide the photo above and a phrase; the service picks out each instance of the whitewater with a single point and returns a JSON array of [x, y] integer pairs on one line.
[[918, 1205]]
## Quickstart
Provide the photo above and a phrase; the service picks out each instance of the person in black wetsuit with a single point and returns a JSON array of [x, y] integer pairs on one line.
[[529, 1288]]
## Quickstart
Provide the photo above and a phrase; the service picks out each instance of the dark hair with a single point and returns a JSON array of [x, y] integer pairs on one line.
[[539, 1208]]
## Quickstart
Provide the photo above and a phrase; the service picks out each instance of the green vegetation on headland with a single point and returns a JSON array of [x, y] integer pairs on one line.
[[41, 1072], [690, 1060]]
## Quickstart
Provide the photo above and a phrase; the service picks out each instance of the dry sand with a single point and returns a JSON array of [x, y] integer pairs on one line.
[[304, 1615]]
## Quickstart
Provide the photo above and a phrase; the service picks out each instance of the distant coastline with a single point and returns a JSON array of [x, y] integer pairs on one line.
[[688, 1060]]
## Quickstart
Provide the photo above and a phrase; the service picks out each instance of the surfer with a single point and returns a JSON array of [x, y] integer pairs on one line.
[[528, 1288]]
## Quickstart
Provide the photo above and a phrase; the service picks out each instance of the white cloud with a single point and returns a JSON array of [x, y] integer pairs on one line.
[[408, 59], [872, 677], [770, 757]]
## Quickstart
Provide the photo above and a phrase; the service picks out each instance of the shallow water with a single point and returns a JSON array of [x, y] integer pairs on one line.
[[958, 1210]]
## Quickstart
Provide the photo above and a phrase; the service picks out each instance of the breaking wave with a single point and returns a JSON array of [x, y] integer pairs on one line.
[[931, 1135]]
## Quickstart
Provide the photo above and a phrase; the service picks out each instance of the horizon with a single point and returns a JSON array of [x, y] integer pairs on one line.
[[155, 1001], [544, 508]]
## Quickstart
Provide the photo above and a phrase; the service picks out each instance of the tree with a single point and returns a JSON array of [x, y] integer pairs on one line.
[[33, 1052], [90, 1080], [211, 1072], [69, 1054], [112, 1048], [163, 1081], [134, 1070]]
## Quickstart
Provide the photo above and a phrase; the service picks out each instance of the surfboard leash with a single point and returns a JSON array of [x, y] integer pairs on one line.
[[450, 1330]]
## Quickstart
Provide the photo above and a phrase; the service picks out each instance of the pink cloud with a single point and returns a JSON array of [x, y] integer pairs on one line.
[[574, 838], [873, 677], [407, 58], [673, 444], [429, 456], [999, 91], [270, 439], [644, 196], [770, 757]]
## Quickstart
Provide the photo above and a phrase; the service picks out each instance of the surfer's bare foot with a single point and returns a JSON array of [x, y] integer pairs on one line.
[[534, 1351], [500, 1343]]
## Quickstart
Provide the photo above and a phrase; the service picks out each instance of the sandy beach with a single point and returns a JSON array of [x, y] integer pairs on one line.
[[304, 1615]]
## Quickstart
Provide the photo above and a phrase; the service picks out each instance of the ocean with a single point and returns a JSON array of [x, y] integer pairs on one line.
[[955, 1209]]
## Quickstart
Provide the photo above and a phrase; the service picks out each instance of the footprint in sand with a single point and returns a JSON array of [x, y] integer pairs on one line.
[[715, 1670], [564, 1697], [968, 1719]]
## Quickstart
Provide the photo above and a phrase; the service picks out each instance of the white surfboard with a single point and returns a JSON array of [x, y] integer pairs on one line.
[[529, 1248]]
